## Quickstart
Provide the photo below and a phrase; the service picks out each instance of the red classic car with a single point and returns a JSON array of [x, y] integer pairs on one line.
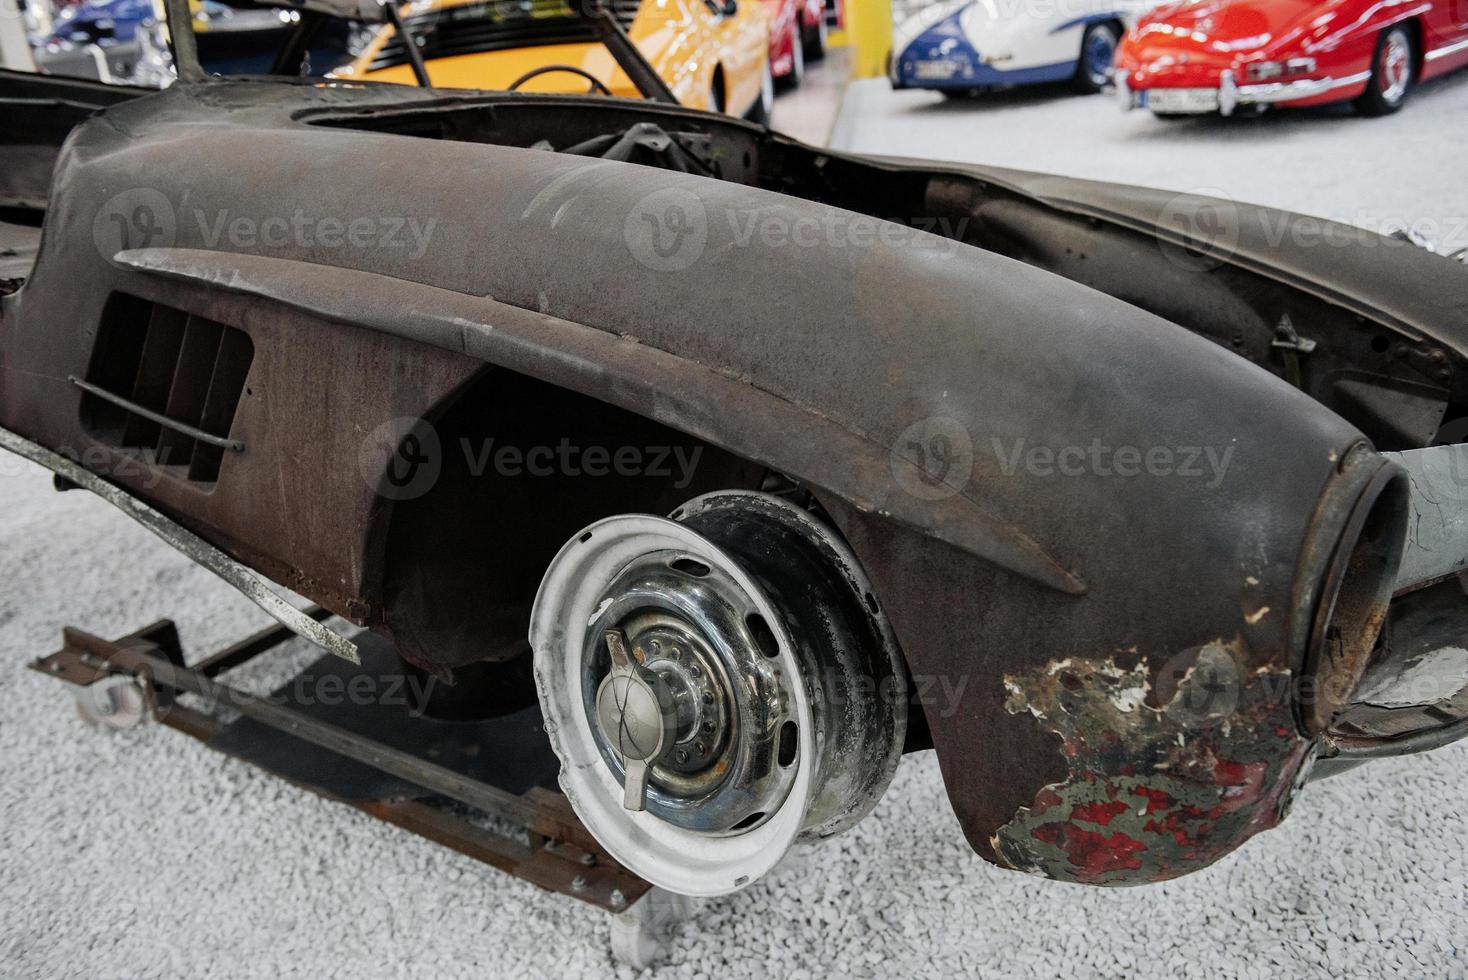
[[1203, 56], [797, 34]]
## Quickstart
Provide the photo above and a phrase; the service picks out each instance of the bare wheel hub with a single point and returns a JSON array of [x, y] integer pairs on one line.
[[707, 682]]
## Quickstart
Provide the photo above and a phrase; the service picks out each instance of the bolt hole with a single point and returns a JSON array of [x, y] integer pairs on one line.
[[690, 567], [746, 823], [1381, 344], [585, 537], [764, 637], [1070, 681], [741, 881], [872, 603], [677, 514], [789, 741]]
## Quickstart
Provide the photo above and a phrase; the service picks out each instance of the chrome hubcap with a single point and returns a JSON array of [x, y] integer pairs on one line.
[[700, 759]]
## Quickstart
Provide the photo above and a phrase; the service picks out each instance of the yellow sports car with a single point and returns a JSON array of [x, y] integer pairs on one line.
[[713, 54]]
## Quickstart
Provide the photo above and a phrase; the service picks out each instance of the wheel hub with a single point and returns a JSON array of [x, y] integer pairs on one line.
[[707, 685], [684, 624]]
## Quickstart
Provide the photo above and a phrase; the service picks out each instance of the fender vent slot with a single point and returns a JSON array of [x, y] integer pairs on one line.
[[166, 384]]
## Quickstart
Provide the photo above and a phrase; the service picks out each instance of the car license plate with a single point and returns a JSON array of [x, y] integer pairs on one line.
[[936, 69], [1181, 99]]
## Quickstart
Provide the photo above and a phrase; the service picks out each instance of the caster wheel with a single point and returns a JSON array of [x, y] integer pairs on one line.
[[642, 935], [718, 686], [114, 703]]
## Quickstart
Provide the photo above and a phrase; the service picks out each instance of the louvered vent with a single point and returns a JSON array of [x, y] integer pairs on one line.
[[186, 370]]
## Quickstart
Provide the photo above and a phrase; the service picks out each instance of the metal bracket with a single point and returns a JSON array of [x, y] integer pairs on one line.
[[1292, 346], [556, 854]]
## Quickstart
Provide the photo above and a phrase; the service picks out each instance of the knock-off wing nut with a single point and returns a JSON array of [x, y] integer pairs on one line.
[[635, 710]]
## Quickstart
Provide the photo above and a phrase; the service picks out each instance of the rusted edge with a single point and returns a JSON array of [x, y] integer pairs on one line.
[[254, 587]]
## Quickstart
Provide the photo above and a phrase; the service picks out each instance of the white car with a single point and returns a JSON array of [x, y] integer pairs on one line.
[[961, 46]]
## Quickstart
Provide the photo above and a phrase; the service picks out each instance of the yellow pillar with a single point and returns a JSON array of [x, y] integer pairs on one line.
[[869, 32]]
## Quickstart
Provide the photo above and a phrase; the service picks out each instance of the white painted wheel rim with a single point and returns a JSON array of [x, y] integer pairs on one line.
[[682, 861]]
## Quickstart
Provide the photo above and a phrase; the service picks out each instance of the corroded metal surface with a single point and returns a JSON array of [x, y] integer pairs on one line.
[[1154, 789]]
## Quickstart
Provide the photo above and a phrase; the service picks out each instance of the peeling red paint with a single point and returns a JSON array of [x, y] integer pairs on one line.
[[1154, 790], [1091, 853], [1097, 813]]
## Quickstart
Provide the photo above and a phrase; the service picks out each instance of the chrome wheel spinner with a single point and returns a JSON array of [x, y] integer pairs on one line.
[[717, 686]]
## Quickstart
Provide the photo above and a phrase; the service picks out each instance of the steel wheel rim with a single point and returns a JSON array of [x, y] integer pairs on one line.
[[821, 648], [681, 860]]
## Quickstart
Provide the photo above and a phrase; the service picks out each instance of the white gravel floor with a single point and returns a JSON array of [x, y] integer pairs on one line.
[[144, 854]]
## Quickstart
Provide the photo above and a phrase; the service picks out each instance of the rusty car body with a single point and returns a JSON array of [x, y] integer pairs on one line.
[[1155, 496]]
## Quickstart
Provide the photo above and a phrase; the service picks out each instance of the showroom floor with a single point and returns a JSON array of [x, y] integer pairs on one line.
[[1401, 170], [143, 854]]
